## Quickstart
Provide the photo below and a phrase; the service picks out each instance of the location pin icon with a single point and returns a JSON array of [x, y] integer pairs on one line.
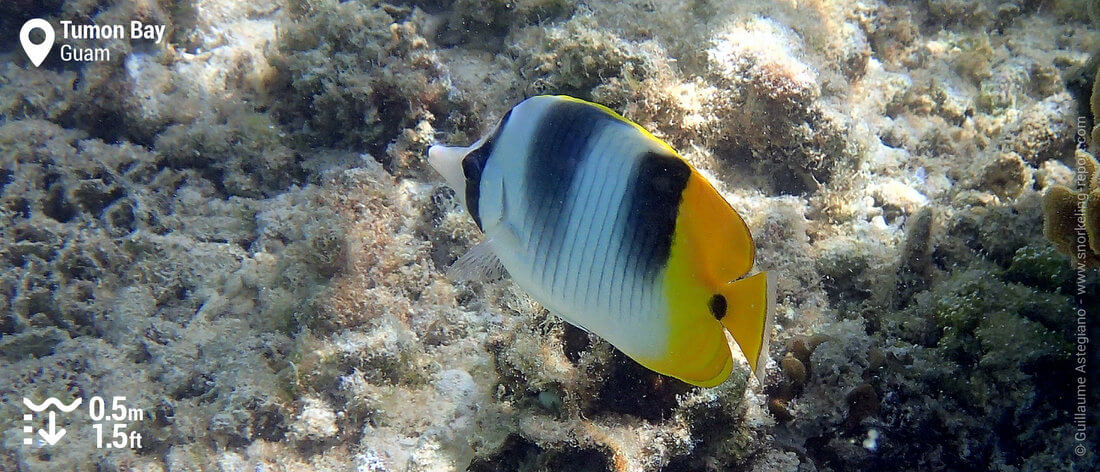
[[36, 52]]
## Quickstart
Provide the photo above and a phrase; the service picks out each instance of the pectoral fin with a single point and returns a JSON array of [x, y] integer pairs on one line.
[[480, 264]]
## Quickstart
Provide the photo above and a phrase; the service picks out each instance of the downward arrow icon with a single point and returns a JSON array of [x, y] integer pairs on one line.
[[53, 435]]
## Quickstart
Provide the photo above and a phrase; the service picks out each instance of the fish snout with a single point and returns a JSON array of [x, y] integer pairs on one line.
[[447, 161]]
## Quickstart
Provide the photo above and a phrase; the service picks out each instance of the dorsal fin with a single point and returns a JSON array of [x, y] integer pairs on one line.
[[657, 141]]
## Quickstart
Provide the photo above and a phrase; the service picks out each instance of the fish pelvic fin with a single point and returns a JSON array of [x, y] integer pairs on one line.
[[749, 311]]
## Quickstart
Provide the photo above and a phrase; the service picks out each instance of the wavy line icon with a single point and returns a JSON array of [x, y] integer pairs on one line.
[[54, 402]]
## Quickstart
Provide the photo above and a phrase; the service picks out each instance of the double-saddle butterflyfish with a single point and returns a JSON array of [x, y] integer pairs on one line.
[[609, 228]]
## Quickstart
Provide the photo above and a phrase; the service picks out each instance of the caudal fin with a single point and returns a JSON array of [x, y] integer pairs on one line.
[[750, 309]]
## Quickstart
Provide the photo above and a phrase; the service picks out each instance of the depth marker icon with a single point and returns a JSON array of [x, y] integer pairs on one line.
[[28, 428], [53, 434]]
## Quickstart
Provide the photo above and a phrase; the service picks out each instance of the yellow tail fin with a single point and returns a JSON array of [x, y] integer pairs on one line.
[[750, 308]]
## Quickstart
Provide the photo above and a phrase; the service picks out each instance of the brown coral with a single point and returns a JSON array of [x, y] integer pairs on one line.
[[1095, 110], [1071, 219]]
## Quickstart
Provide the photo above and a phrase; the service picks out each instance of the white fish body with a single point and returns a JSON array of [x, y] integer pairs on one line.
[[590, 215]]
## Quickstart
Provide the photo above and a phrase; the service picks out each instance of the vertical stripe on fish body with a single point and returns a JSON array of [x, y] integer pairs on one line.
[[609, 228]]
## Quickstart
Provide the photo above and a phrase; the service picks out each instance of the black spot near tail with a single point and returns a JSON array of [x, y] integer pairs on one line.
[[717, 306]]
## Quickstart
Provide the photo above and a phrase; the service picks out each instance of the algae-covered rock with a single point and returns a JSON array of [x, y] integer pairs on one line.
[[1006, 176], [770, 107], [575, 57], [355, 75], [1042, 267], [110, 255], [972, 342], [483, 25]]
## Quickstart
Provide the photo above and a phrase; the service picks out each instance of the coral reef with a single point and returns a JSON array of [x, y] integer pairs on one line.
[[236, 230]]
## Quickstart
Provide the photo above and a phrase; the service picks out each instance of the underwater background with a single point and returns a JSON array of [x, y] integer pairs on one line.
[[236, 229]]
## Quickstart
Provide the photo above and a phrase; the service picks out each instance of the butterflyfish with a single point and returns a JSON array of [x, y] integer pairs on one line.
[[609, 228]]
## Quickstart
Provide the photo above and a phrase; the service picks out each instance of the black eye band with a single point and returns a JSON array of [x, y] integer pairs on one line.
[[473, 164]]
